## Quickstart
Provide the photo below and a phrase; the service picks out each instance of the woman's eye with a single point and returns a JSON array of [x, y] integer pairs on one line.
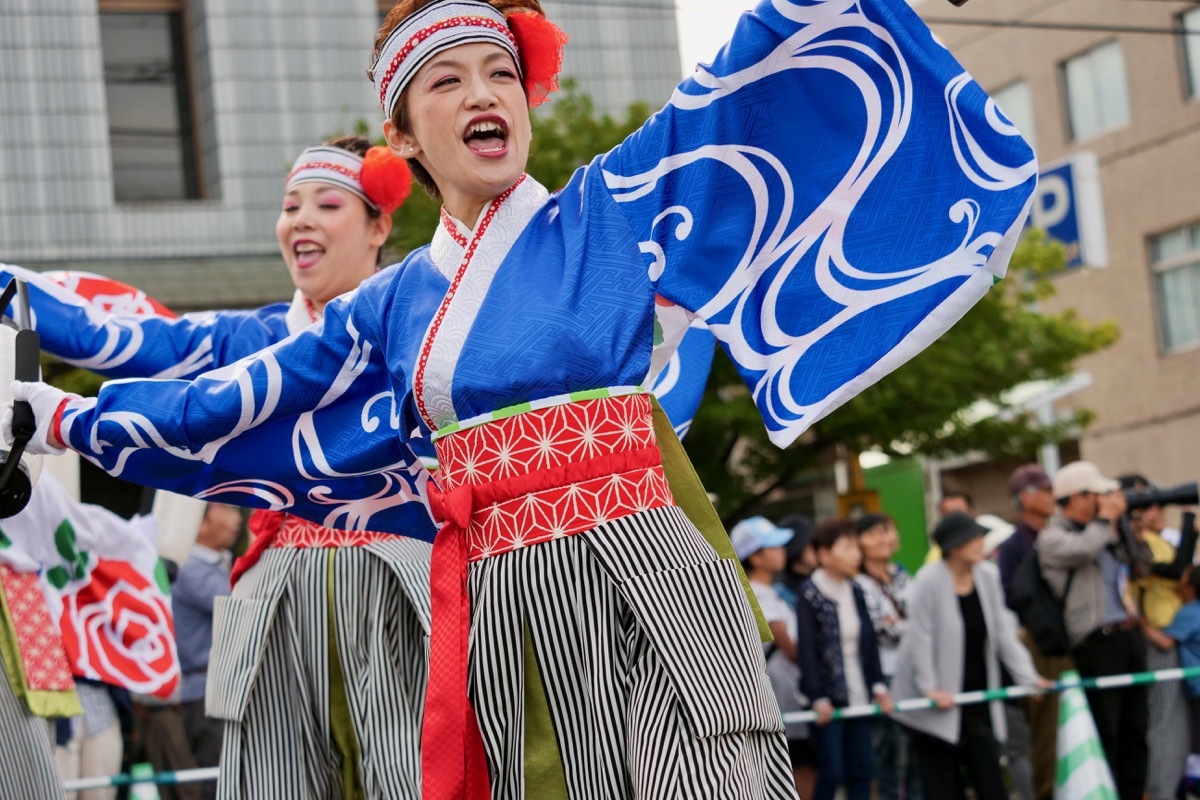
[[504, 73], [450, 79], [331, 206], [290, 209]]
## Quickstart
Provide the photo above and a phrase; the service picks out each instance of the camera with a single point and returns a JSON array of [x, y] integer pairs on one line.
[[1185, 494], [19, 350]]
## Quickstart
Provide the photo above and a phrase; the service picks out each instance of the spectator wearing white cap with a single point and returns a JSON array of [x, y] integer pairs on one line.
[[1087, 563], [760, 545]]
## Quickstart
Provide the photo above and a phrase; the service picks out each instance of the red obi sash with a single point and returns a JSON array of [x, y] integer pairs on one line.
[[280, 529], [39, 642], [507, 484]]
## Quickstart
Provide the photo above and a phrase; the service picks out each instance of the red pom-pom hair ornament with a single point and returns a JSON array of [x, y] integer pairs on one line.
[[386, 179], [540, 43]]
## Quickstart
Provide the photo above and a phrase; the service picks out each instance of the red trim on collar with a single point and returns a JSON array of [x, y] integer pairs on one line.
[[419, 375], [452, 229]]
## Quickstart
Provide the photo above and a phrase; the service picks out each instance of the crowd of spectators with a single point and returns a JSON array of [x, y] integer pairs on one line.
[[853, 627], [118, 729]]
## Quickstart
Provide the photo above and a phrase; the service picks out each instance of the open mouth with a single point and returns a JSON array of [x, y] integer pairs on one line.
[[487, 137], [307, 254]]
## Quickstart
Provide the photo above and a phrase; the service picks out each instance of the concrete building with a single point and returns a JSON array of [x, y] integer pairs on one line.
[[1113, 84], [147, 140]]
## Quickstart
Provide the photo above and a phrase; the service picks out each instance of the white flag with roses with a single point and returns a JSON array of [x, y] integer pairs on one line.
[[104, 584]]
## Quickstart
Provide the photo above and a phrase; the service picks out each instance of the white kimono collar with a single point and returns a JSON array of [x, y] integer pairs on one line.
[[452, 237], [299, 314]]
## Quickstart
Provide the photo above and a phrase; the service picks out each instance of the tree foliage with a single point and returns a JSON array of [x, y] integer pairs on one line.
[[928, 406], [567, 135], [70, 379]]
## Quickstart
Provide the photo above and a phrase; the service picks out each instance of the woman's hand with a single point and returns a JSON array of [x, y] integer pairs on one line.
[[884, 699], [941, 698], [1043, 685], [824, 710], [45, 400]]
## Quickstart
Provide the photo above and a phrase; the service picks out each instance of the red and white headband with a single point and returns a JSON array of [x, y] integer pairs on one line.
[[534, 43], [380, 179]]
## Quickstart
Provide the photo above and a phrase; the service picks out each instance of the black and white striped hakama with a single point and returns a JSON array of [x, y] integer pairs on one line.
[[649, 661], [272, 678], [27, 767]]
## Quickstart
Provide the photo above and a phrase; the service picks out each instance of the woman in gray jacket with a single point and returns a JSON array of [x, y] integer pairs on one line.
[[959, 633]]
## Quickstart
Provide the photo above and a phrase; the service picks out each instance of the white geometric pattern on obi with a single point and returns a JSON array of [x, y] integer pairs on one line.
[[546, 440]]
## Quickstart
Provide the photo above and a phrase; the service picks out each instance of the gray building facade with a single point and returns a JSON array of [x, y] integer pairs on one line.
[[147, 140]]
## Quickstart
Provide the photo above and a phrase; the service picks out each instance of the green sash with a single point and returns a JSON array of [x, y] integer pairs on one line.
[[691, 496]]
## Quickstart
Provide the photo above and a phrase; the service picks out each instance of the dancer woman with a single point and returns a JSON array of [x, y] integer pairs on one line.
[[520, 337], [320, 655]]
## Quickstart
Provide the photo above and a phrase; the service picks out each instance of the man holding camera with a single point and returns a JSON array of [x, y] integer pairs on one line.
[[1088, 563]]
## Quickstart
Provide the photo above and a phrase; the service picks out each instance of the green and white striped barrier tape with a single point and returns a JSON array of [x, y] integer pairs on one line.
[[1007, 693], [180, 776], [870, 710]]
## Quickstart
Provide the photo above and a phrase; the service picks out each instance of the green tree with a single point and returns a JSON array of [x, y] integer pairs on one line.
[[566, 135], [926, 406], [70, 379]]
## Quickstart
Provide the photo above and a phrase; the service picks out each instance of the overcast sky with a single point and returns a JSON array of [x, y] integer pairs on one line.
[[705, 25]]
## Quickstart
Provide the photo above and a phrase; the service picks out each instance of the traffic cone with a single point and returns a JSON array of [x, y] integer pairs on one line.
[[143, 791], [1083, 772]]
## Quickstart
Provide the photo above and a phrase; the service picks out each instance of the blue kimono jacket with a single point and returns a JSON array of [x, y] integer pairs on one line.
[[828, 197]]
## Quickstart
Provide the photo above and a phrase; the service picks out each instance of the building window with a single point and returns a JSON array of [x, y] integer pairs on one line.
[[1175, 262], [1017, 105], [151, 119], [1097, 97], [1189, 25]]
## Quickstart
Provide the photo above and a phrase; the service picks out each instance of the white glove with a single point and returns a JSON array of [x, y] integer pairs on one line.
[[45, 400]]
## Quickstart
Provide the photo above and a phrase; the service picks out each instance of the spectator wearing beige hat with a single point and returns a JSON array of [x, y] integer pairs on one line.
[[1087, 563]]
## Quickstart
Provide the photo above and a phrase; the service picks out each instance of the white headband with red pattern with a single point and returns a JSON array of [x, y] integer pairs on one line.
[[333, 165], [437, 27]]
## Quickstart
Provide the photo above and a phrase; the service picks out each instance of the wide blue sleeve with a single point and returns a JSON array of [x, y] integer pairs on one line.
[[143, 345], [680, 386], [829, 196], [309, 425]]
